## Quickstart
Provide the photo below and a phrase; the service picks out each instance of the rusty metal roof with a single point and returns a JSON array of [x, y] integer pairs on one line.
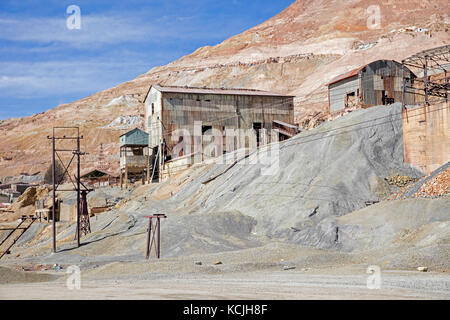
[[98, 172], [228, 91], [346, 75]]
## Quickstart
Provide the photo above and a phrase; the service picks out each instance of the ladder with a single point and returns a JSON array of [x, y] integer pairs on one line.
[[26, 221]]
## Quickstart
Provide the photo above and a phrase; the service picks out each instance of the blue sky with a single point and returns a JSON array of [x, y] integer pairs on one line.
[[44, 64]]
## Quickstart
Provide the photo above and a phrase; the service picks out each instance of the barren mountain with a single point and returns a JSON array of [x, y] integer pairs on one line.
[[296, 52]]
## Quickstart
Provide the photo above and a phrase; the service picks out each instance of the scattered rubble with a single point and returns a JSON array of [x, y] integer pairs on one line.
[[314, 120], [289, 268], [435, 185], [41, 267], [399, 180], [125, 122]]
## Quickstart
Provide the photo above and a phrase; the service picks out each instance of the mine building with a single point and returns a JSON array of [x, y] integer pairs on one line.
[[169, 108], [134, 156], [99, 178], [377, 83]]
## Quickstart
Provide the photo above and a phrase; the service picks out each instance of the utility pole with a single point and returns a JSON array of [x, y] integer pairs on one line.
[[78, 153], [54, 192], [425, 75], [75, 152]]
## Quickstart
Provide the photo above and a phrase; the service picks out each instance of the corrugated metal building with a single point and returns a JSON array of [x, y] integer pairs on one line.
[[377, 83], [171, 108], [135, 137], [99, 178]]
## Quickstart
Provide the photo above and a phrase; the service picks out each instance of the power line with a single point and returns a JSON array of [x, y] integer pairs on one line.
[[363, 122]]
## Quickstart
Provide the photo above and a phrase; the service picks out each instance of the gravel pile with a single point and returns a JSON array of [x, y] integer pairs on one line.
[[435, 185]]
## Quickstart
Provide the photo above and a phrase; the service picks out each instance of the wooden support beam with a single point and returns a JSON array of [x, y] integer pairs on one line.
[[148, 168]]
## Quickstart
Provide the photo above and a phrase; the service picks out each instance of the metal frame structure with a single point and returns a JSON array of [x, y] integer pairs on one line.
[[156, 235], [76, 153], [434, 65], [22, 229]]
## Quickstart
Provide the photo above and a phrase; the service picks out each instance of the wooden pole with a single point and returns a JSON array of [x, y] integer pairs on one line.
[[78, 192], [126, 177], [54, 192], [425, 75], [148, 167], [149, 235], [158, 237]]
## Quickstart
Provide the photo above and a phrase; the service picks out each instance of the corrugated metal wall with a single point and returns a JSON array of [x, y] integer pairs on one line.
[[181, 110], [377, 77], [339, 90], [383, 75]]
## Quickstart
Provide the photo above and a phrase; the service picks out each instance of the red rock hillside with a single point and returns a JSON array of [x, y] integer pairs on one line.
[[295, 52]]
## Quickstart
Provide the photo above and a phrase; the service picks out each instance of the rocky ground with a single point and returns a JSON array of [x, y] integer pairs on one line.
[[330, 284], [303, 228]]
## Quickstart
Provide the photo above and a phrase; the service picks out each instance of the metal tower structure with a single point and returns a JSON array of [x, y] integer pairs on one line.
[[432, 70], [68, 143]]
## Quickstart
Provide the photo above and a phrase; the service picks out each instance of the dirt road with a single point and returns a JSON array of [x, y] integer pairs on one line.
[[258, 285]]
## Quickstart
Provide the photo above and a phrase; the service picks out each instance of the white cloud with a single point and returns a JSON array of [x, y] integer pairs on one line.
[[94, 30], [41, 79], [97, 30]]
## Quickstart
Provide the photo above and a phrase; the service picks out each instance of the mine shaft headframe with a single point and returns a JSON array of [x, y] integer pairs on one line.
[[434, 66], [76, 153]]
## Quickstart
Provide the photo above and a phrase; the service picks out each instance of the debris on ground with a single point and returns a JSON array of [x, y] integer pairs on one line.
[[40, 267], [435, 185], [289, 268], [399, 180]]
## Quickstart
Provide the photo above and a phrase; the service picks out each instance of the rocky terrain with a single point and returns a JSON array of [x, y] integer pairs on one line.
[[295, 52], [305, 224], [302, 218]]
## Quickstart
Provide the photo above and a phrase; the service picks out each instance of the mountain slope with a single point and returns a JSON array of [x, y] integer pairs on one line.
[[295, 52]]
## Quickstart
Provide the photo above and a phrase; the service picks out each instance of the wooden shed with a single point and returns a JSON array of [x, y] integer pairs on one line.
[[99, 178], [134, 156], [135, 137], [377, 83], [199, 111]]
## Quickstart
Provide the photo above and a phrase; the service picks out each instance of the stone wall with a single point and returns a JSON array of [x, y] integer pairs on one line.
[[426, 132]]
